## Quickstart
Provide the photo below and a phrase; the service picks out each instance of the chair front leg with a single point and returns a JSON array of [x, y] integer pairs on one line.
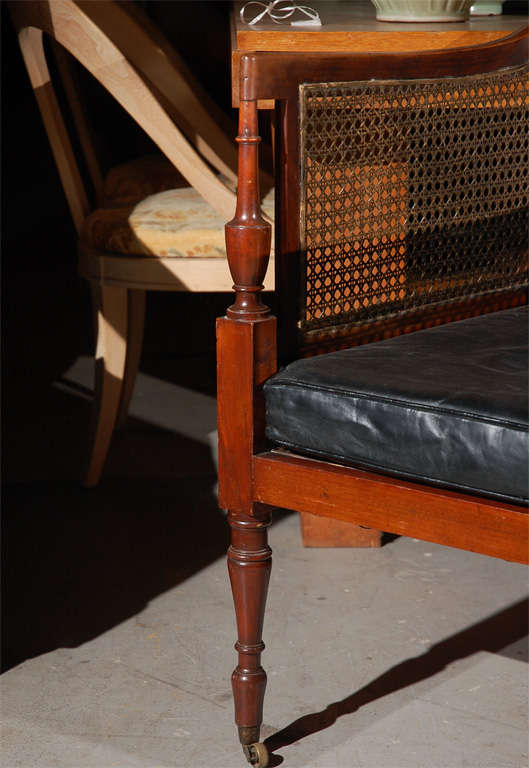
[[135, 323], [249, 566], [110, 304]]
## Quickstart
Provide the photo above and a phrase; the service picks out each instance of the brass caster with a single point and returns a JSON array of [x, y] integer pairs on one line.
[[257, 755]]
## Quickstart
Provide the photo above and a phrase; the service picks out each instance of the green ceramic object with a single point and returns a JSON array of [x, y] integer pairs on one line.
[[486, 7], [422, 10]]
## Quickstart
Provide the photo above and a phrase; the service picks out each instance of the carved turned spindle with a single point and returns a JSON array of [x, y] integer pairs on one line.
[[249, 566], [248, 235], [247, 333]]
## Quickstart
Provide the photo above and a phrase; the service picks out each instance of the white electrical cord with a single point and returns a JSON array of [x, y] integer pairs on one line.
[[279, 11]]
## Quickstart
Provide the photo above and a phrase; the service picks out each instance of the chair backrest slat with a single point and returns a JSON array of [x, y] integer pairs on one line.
[[32, 48], [186, 101], [83, 125]]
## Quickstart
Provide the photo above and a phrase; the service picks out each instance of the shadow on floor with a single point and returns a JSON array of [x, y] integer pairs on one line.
[[493, 634], [78, 562]]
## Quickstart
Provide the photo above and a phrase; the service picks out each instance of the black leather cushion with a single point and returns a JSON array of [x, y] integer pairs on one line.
[[447, 405]]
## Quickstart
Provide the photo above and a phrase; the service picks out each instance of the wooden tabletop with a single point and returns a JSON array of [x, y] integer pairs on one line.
[[350, 26]]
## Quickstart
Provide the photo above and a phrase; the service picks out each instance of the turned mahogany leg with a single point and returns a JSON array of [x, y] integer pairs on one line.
[[249, 565]]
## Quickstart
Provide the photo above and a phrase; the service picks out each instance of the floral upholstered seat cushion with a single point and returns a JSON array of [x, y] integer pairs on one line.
[[177, 223], [129, 182]]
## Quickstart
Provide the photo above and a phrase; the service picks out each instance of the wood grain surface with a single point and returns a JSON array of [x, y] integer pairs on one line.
[[351, 27], [394, 505]]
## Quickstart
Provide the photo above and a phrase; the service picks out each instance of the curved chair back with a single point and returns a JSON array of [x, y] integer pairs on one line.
[[182, 96], [126, 54]]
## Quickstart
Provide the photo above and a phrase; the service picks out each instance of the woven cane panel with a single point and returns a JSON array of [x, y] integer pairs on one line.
[[414, 194]]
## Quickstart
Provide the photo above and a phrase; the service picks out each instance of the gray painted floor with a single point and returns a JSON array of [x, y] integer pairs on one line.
[[411, 656]]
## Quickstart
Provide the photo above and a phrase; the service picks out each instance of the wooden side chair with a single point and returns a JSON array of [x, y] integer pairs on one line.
[[158, 221], [401, 206]]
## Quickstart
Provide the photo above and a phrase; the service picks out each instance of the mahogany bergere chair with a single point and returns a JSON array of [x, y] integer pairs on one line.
[[402, 196], [155, 223]]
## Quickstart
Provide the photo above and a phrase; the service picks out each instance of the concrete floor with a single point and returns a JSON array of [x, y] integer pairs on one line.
[[413, 655], [119, 623]]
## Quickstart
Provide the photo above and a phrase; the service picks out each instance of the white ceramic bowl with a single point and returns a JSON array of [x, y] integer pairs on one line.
[[422, 10]]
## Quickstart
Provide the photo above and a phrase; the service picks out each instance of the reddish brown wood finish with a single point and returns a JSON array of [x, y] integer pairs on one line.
[[245, 358], [277, 75], [248, 235], [246, 344], [352, 28], [251, 482], [318, 531], [393, 505], [246, 339], [249, 565], [287, 245]]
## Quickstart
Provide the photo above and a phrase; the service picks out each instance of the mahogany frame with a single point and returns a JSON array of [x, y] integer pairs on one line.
[[253, 479]]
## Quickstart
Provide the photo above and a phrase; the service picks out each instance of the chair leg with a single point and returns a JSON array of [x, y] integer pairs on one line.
[[249, 565], [111, 305], [135, 323]]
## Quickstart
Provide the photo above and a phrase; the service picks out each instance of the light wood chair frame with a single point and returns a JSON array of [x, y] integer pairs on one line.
[[125, 52]]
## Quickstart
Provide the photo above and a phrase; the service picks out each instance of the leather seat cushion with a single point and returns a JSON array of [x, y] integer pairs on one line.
[[447, 405], [177, 223]]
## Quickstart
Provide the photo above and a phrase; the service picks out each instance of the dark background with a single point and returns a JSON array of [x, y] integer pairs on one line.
[[63, 547]]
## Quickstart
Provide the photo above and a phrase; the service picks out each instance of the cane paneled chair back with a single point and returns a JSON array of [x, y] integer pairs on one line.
[[412, 200], [414, 197], [158, 222], [402, 198]]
